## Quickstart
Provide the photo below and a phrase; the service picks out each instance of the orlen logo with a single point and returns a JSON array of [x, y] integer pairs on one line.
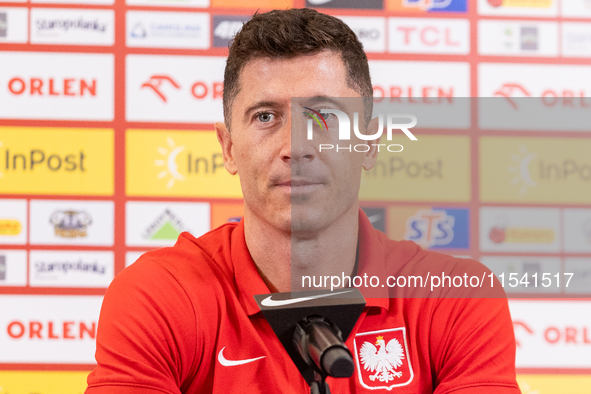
[[550, 97], [555, 334], [344, 126], [428, 94], [49, 330], [155, 83], [52, 86], [198, 90]]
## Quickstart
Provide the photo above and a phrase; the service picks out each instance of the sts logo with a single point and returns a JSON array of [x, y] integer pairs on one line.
[[439, 228]]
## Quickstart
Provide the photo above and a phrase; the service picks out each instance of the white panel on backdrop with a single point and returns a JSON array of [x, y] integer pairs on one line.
[[527, 269], [559, 96], [160, 223], [536, 80], [174, 88], [580, 283], [552, 334], [36, 85], [439, 90], [512, 229], [370, 30], [14, 25], [170, 3], [48, 329], [537, 8], [75, 27], [131, 257], [429, 35], [13, 268], [167, 29], [577, 230], [13, 221], [72, 222], [517, 38], [51, 268], [576, 39], [576, 8], [432, 80]]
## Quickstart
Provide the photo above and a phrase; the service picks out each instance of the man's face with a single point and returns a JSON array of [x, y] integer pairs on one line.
[[285, 180]]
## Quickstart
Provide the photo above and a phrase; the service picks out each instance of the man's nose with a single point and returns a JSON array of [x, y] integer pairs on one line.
[[297, 146]]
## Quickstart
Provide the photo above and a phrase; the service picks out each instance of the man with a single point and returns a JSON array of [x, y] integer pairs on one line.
[[183, 319]]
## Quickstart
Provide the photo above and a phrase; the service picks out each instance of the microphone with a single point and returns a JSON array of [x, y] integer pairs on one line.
[[312, 327]]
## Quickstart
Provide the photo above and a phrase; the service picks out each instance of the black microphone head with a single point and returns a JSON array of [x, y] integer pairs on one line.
[[337, 362]]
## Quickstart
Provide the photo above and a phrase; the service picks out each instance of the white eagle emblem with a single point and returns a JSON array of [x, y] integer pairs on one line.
[[384, 361]]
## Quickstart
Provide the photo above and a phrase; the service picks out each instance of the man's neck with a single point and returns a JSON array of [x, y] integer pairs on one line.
[[284, 258]]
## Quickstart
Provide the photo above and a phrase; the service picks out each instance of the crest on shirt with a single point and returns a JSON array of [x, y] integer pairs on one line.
[[382, 359]]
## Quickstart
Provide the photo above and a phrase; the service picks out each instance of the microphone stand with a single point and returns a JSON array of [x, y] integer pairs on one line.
[[319, 385]]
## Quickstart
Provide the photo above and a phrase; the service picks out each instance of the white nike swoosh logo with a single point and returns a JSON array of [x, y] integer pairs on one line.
[[231, 363], [270, 302]]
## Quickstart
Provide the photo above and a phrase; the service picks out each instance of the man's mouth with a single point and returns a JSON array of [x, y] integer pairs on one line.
[[301, 187], [298, 183]]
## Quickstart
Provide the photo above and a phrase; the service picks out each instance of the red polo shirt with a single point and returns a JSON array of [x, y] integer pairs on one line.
[[184, 320]]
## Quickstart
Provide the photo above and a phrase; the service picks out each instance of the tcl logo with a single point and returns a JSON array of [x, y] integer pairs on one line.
[[429, 36], [52, 86], [549, 97], [162, 85], [51, 330], [414, 94]]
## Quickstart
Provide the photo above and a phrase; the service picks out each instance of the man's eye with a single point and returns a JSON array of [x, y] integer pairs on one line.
[[326, 115], [265, 117]]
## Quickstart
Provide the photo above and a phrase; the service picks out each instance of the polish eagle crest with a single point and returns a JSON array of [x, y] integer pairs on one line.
[[384, 361]]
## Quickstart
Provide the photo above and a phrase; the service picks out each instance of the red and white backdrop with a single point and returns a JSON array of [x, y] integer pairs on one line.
[[107, 150]]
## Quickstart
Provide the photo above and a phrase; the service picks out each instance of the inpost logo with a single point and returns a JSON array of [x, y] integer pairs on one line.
[[438, 166], [56, 161], [169, 163], [535, 169], [344, 130]]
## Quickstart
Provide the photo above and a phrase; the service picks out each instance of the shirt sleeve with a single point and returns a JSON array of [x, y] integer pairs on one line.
[[147, 336], [475, 352]]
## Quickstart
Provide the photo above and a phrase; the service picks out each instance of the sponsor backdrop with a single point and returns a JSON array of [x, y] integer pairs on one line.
[[107, 150]]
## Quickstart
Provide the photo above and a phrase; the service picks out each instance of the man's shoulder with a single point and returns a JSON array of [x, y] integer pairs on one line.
[[191, 260], [437, 271], [408, 255]]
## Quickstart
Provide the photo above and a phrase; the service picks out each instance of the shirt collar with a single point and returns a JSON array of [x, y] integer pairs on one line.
[[371, 262]]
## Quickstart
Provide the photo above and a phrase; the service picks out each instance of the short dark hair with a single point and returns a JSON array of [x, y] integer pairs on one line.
[[284, 34]]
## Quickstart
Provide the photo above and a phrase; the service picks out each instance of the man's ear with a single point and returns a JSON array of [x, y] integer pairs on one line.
[[225, 140], [371, 156]]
